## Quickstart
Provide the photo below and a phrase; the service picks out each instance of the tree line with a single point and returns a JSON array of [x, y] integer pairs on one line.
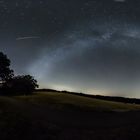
[[10, 83]]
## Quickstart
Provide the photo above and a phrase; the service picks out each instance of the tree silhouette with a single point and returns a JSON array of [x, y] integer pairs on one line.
[[5, 72], [24, 84]]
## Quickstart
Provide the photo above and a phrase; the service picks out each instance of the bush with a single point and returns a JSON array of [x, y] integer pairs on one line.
[[25, 84]]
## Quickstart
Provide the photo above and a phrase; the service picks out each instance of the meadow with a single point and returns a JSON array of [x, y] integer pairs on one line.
[[62, 116]]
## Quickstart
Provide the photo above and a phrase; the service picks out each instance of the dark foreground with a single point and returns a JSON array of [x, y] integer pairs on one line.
[[31, 119]]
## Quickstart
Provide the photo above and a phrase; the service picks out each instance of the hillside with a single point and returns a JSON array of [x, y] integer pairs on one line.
[[70, 101], [60, 116]]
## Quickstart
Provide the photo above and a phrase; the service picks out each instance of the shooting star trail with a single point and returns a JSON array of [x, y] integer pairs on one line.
[[119, 0], [27, 37]]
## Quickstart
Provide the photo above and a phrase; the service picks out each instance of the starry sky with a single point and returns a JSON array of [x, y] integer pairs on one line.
[[90, 46]]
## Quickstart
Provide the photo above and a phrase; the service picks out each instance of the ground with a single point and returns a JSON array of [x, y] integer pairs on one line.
[[61, 116]]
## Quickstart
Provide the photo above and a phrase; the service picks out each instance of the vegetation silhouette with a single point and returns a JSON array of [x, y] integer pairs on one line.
[[21, 84], [5, 72], [24, 84]]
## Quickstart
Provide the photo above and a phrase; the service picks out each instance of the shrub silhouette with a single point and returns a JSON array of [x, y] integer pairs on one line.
[[24, 84]]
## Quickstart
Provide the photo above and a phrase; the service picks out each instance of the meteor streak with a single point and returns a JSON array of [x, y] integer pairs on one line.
[[27, 37]]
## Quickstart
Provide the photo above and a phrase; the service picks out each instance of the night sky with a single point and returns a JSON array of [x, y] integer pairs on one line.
[[90, 46]]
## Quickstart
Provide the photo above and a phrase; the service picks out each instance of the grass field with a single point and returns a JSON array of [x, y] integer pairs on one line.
[[60, 116], [62, 100]]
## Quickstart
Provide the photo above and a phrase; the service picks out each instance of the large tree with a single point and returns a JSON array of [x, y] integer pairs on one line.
[[24, 84], [5, 72]]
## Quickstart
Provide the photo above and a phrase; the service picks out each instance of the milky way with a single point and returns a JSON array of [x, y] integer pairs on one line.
[[89, 46]]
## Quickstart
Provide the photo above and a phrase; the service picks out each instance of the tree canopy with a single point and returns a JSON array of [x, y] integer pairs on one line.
[[25, 84], [5, 71]]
